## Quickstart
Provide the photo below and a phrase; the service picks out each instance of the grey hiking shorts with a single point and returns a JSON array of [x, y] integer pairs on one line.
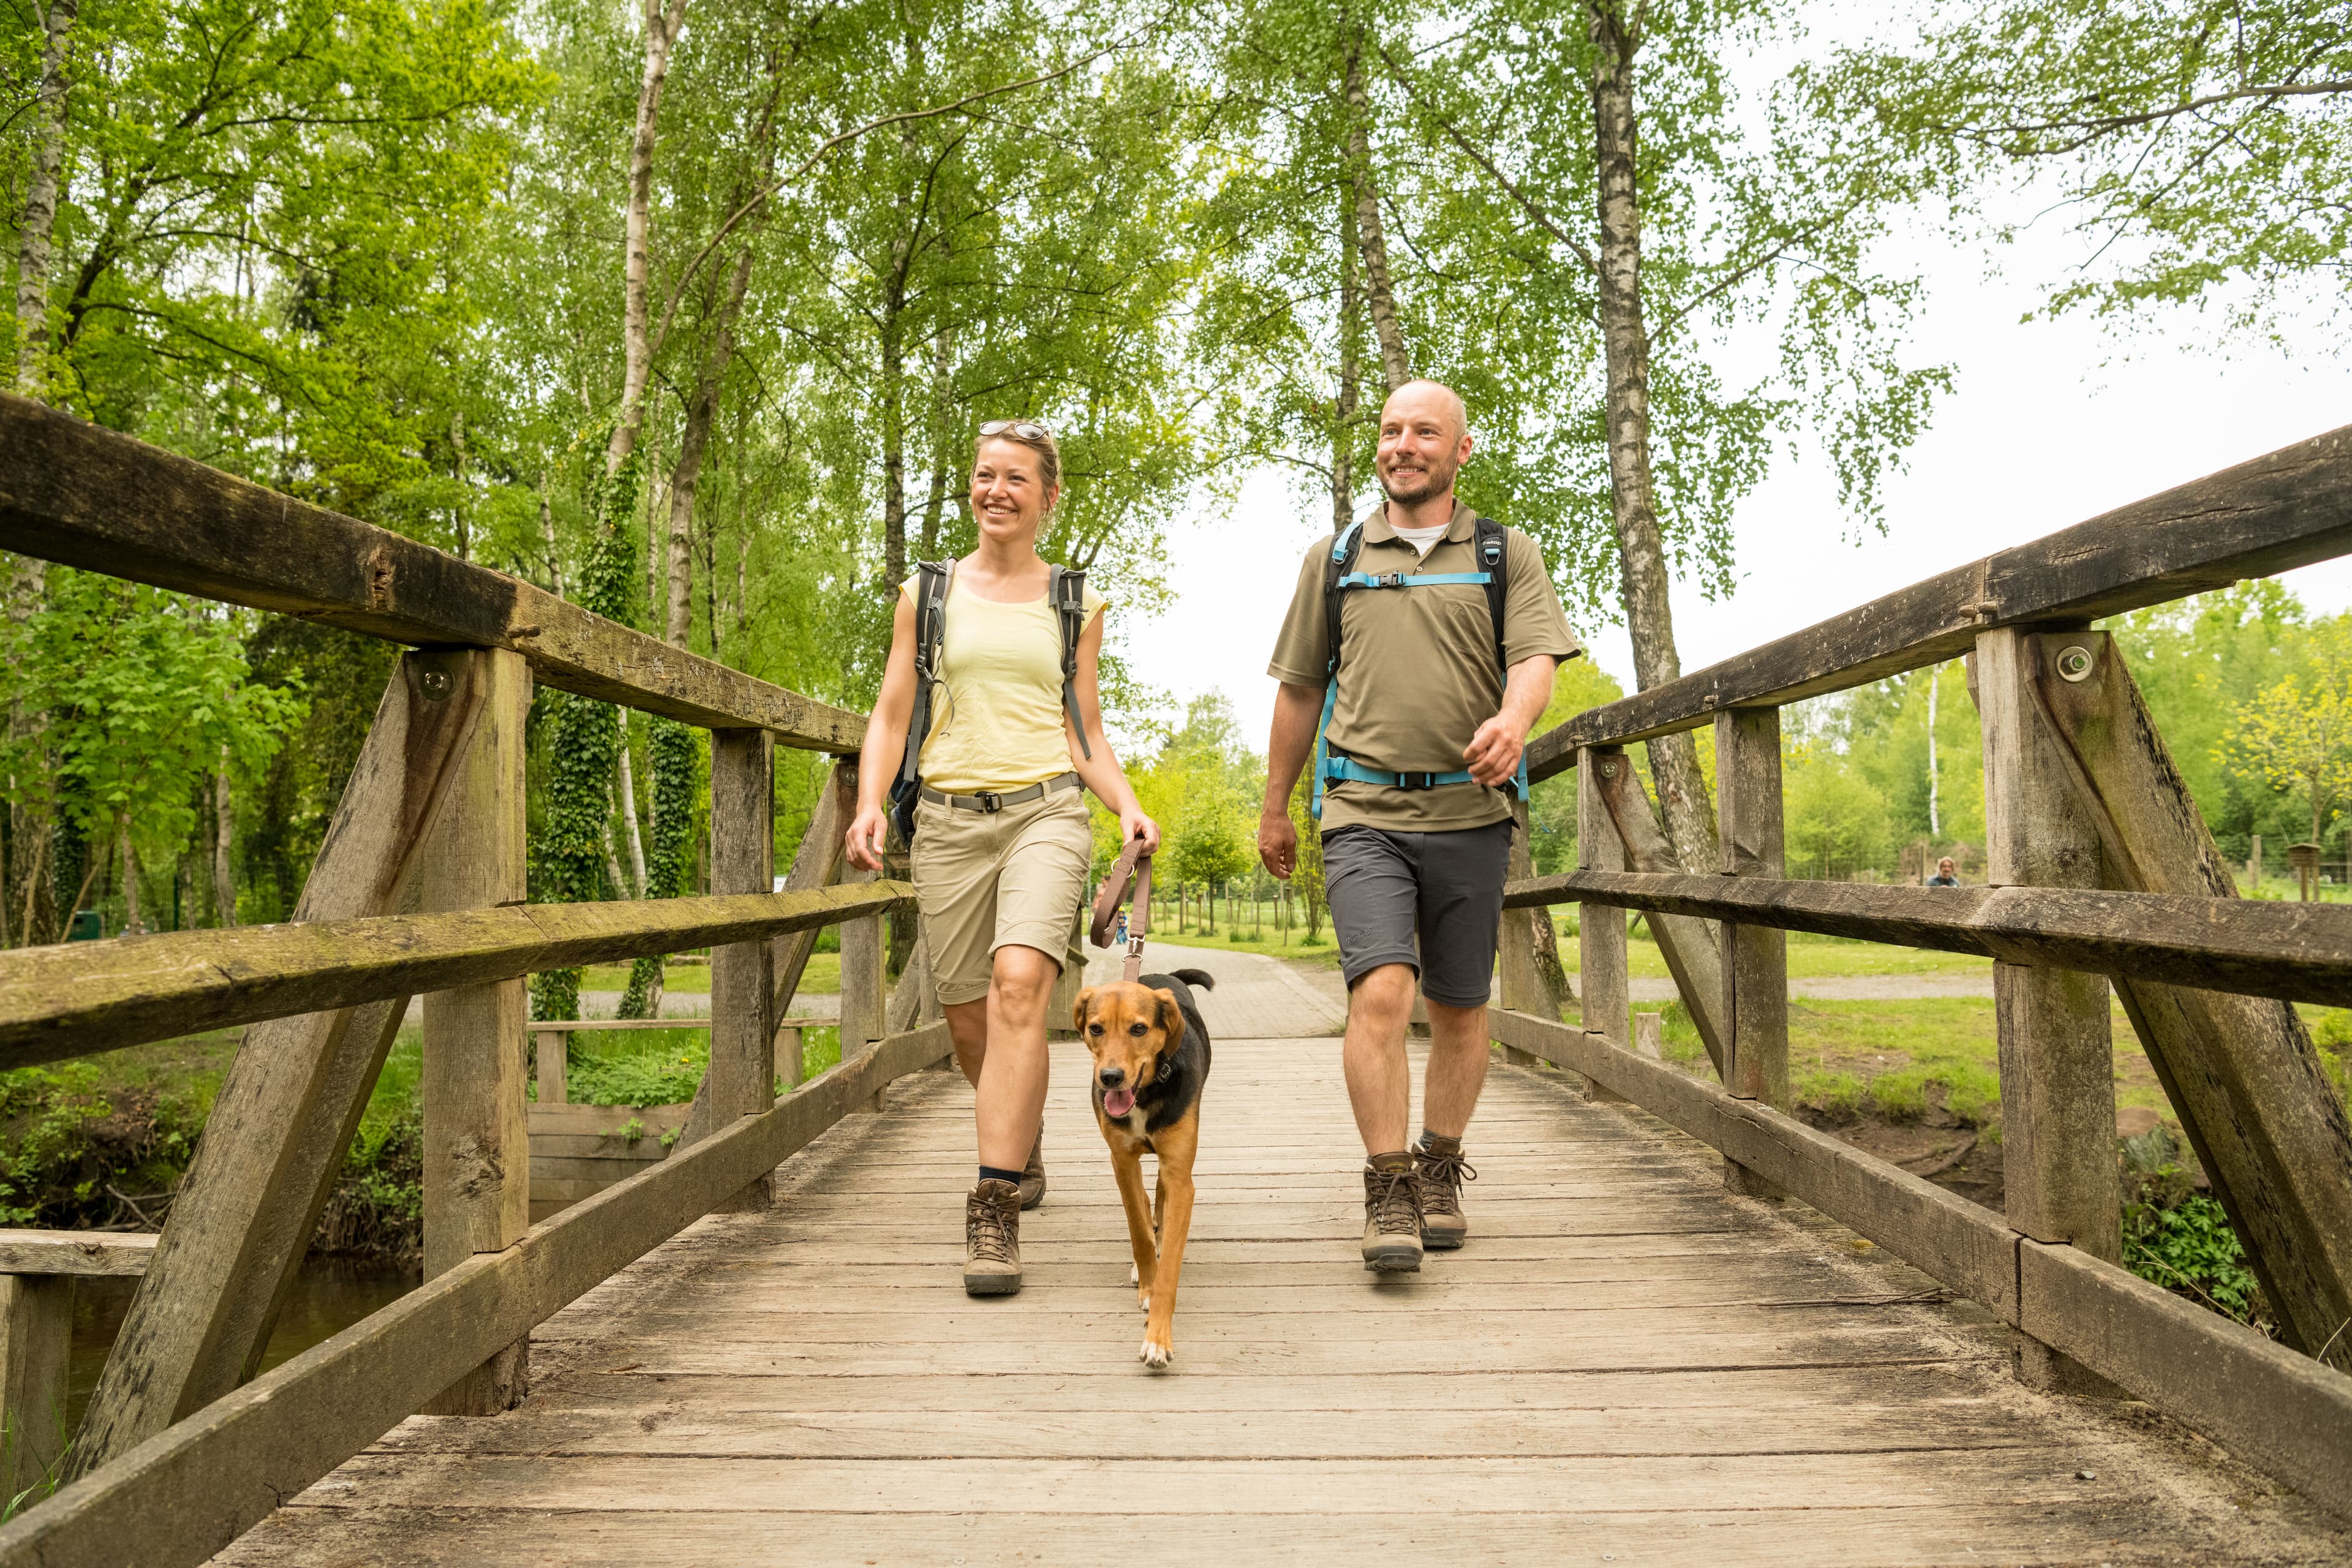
[[1428, 899]]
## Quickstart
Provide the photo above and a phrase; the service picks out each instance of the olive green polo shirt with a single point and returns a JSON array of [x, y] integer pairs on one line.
[[1417, 669]]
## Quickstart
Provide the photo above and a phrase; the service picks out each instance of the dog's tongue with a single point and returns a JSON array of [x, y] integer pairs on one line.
[[1117, 1102]]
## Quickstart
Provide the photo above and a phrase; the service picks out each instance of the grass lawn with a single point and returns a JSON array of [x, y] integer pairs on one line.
[[1893, 1058], [823, 976]]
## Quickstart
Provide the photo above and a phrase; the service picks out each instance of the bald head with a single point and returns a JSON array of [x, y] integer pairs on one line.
[[1424, 440], [1434, 396]]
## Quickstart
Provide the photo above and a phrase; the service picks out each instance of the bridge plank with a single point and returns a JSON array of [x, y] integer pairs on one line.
[[812, 1386]]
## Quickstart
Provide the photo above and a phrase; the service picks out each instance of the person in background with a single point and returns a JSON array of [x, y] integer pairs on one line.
[[1944, 876]]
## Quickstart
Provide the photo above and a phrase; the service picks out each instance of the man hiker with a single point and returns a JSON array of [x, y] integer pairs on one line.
[[1424, 638]]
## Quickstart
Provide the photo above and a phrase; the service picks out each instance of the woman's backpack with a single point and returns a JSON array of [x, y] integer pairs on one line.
[[1065, 590]]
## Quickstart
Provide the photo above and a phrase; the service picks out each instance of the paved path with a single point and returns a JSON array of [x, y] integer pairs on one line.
[[1625, 1366]]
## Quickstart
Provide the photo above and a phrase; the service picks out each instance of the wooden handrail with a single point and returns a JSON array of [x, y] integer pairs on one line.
[[185, 1494], [2299, 951], [2288, 509], [85, 496], [77, 998]]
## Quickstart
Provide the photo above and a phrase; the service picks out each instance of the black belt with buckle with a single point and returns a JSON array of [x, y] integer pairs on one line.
[[993, 800]]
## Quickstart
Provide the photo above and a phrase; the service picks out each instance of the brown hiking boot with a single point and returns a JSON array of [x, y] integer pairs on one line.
[[1438, 1162], [1391, 1215], [992, 1239], [1033, 1175]]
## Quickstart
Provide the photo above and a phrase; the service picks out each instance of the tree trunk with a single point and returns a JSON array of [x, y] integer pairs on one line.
[[894, 421], [1641, 552], [628, 788], [41, 203], [547, 536], [224, 846], [1370, 237], [1343, 426], [463, 513], [662, 23], [133, 925]]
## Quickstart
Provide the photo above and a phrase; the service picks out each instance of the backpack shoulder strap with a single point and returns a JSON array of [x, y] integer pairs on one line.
[[1346, 545], [1065, 590], [1494, 547], [931, 580]]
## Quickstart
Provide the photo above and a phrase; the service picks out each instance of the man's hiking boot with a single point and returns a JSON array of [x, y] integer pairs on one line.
[[1033, 1175], [1439, 1164], [1391, 1215], [992, 1239]]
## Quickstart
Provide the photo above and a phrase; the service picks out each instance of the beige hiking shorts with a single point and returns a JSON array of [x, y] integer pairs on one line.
[[988, 880]]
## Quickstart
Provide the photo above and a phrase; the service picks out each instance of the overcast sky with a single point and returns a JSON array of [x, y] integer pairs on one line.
[[2050, 423]]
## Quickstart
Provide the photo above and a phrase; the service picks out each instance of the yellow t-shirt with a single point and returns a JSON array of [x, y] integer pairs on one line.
[[996, 718]]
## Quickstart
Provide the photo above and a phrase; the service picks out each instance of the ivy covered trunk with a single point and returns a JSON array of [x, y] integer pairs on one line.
[[669, 871], [584, 747]]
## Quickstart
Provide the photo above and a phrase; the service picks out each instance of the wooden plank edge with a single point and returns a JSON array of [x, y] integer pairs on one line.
[[2150, 551], [2293, 952], [75, 1252], [75, 999], [2278, 1408], [193, 1489]]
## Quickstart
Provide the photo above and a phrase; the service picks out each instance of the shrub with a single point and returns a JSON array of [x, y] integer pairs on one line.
[[2181, 1239]]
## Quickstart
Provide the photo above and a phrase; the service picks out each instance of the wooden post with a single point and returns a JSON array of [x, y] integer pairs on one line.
[[2240, 1071], [743, 1076], [1755, 958], [477, 1131], [551, 1046], [2057, 1059], [1526, 987], [1688, 945], [1649, 1036], [1601, 928], [273, 1144], [863, 1001], [36, 1335]]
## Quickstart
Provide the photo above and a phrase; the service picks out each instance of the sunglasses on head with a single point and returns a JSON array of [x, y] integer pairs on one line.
[[1027, 429]]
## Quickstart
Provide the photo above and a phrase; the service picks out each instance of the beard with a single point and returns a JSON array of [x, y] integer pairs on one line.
[[1410, 487]]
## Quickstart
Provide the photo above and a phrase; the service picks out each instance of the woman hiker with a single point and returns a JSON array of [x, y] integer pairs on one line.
[[1002, 841]]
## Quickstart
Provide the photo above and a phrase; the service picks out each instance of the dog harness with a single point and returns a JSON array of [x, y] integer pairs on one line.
[[1331, 767], [1134, 866]]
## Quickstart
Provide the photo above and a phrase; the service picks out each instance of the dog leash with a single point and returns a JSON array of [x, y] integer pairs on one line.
[[1133, 866]]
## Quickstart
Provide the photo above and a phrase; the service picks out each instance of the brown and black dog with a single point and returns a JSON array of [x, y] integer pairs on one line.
[[1152, 1061]]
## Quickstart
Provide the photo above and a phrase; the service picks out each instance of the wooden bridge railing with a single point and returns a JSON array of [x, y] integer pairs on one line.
[[418, 889], [2103, 875]]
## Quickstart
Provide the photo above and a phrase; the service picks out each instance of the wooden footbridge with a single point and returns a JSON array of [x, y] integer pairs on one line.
[[1688, 1328]]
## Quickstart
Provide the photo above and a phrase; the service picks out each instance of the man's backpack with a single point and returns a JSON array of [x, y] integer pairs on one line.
[[1339, 577], [1065, 590]]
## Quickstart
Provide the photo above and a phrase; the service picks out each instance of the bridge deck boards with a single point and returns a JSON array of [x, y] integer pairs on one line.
[[1624, 1365]]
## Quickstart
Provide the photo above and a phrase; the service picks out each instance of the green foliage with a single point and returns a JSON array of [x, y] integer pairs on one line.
[[2182, 1239], [2295, 734], [2198, 147], [1835, 821], [582, 750], [669, 862], [147, 694]]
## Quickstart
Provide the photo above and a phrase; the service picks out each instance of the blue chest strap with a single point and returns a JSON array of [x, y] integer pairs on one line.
[[1333, 769]]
